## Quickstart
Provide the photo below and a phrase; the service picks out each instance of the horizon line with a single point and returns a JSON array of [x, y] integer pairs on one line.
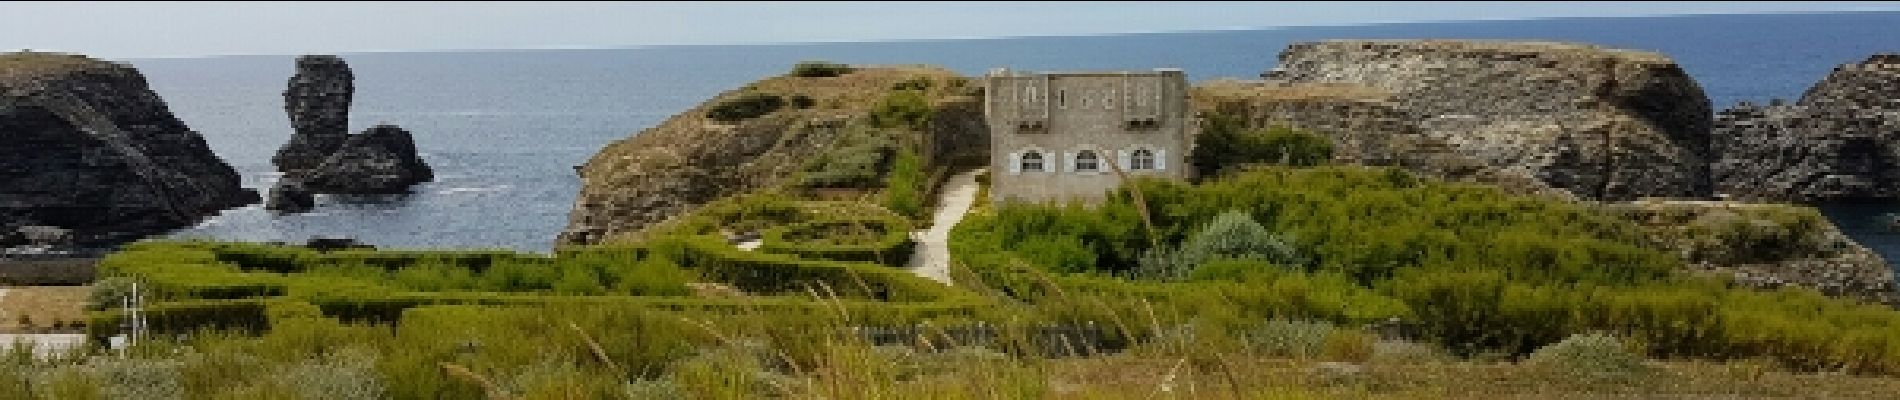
[[972, 38]]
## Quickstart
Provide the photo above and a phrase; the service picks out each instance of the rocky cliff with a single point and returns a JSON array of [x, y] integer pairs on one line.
[[322, 157], [90, 148], [1836, 142], [691, 158], [1599, 123]]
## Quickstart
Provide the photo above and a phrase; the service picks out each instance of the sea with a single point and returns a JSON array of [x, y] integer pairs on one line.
[[504, 129]]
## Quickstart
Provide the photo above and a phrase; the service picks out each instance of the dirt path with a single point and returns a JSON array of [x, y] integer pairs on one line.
[[932, 257]]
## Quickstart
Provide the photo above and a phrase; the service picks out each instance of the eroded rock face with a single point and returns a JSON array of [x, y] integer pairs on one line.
[[318, 102], [91, 149], [1599, 123], [323, 158], [1837, 142]]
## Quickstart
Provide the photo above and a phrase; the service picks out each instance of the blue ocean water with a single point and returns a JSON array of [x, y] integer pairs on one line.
[[504, 128]]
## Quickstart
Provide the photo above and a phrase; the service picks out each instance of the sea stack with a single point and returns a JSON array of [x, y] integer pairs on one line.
[[91, 151], [322, 157]]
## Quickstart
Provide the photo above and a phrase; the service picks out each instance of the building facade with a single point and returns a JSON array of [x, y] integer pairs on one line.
[[1062, 136]]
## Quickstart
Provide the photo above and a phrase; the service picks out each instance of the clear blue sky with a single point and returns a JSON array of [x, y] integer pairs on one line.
[[135, 30]]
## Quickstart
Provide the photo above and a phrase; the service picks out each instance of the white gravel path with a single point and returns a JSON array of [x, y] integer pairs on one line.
[[932, 256]]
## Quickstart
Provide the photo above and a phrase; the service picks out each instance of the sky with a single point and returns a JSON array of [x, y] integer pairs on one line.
[[122, 30]]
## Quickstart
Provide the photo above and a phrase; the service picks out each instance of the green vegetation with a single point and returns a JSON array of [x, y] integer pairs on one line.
[[820, 69], [905, 188], [859, 160], [747, 106], [1466, 266], [1225, 145], [908, 109]]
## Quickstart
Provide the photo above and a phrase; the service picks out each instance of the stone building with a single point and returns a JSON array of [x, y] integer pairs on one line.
[[1072, 136]]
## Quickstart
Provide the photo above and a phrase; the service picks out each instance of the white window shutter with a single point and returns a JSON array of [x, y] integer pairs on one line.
[[1015, 163], [1124, 159], [1068, 162], [1161, 159]]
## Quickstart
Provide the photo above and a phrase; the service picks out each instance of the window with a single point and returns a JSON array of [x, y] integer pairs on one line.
[[1142, 160], [1108, 100], [1087, 161], [1029, 94], [1062, 99], [1032, 161]]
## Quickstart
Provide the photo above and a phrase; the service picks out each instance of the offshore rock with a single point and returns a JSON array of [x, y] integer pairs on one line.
[[323, 158]]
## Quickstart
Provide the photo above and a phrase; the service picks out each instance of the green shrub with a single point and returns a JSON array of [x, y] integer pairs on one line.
[[776, 274], [918, 83], [820, 69], [1232, 234], [747, 106], [801, 102], [858, 161], [908, 109], [904, 189], [1224, 145]]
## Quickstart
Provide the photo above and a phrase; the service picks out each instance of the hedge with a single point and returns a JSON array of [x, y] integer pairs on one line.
[[777, 274], [892, 248]]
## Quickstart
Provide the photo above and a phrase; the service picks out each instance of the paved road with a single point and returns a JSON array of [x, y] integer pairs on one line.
[[932, 257]]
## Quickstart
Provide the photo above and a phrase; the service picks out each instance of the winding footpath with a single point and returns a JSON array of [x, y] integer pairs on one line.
[[931, 259]]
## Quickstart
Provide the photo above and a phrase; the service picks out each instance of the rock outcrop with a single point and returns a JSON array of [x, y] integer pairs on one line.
[[91, 149], [1366, 125], [381, 160], [690, 159], [323, 158], [318, 103], [1599, 123], [1837, 142], [1765, 246]]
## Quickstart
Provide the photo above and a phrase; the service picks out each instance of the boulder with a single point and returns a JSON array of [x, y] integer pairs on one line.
[[381, 160], [90, 148], [1598, 123], [1836, 143], [290, 197]]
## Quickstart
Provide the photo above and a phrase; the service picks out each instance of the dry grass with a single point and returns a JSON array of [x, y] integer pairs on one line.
[[1206, 95], [20, 65], [1128, 377], [44, 306], [1541, 48]]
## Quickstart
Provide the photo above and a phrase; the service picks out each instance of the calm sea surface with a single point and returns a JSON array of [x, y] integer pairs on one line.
[[503, 129]]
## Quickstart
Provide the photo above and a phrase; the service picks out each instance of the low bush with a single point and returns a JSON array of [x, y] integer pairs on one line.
[[864, 239], [1588, 357], [744, 107], [1224, 146], [820, 69]]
